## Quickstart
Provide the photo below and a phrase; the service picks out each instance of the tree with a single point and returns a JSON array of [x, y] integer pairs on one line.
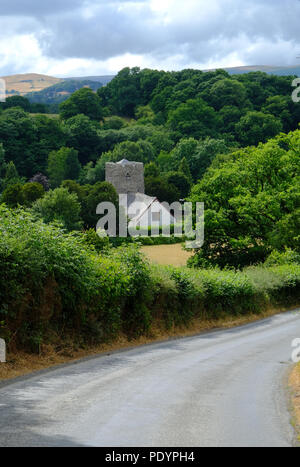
[[2, 161], [73, 166], [18, 135], [140, 151], [228, 92], [94, 195], [42, 180], [17, 101], [123, 92], [11, 175], [51, 135], [161, 189], [184, 168], [251, 203], [62, 165], [13, 195], [28, 140], [230, 115], [59, 205], [186, 148], [83, 137], [194, 118], [145, 115], [32, 192], [205, 153], [279, 107], [257, 127], [114, 123], [74, 187], [151, 170], [181, 182], [84, 101]]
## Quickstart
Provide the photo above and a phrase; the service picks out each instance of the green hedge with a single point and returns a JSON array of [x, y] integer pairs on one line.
[[55, 285]]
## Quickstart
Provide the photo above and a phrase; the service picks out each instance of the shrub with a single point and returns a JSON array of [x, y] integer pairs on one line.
[[13, 195], [61, 206], [277, 258], [54, 283], [32, 192]]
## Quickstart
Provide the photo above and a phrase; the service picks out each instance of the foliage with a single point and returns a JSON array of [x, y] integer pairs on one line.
[[84, 101], [278, 258], [11, 176], [62, 165], [13, 195], [24, 195], [251, 203], [194, 118], [56, 284], [257, 127], [42, 180], [161, 189], [59, 205]]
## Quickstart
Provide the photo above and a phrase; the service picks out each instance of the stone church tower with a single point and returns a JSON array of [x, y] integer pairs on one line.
[[126, 176]]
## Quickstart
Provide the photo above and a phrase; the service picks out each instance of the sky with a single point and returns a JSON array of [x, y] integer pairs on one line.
[[100, 37]]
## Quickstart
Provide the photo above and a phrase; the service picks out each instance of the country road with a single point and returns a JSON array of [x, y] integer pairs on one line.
[[223, 388]]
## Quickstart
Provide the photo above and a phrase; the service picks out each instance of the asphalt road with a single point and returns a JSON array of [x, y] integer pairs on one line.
[[224, 388]]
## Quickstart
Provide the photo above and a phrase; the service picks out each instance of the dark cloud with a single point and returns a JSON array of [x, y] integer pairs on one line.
[[112, 31], [37, 8], [194, 31]]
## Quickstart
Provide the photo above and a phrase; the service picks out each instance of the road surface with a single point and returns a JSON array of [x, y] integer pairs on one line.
[[223, 388]]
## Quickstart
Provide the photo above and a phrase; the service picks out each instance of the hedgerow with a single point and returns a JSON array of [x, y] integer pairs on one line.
[[55, 285]]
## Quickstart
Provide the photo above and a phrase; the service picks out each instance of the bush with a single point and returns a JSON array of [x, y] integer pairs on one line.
[[277, 258], [32, 192], [61, 206], [54, 285]]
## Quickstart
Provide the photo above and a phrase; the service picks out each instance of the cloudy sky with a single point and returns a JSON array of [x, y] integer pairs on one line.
[[94, 37]]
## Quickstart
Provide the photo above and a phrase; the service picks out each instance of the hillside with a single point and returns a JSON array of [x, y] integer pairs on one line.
[[270, 70], [29, 82], [98, 79], [61, 91]]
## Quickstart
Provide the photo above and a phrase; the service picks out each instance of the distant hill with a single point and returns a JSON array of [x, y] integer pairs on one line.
[[270, 70], [100, 79], [61, 91], [29, 82]]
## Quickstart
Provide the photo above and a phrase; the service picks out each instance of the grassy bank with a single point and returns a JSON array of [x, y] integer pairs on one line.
[[20, 363], [295, 390], [56, 291]]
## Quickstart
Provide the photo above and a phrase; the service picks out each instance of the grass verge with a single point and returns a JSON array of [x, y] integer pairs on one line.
[[20, 363], [294, 383]]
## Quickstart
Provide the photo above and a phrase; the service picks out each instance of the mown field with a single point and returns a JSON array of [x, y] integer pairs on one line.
[[172, 255]]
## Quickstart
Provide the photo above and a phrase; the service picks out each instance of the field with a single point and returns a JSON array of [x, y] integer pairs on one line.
[[173, 255], [30, 82]]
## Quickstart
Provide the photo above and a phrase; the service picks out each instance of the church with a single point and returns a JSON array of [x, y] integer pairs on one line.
[[143, 211]]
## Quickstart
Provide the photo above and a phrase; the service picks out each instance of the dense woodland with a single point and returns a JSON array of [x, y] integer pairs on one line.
[[231, 142], [198, 134]]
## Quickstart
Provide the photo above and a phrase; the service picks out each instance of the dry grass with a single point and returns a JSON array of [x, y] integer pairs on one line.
[[20, 363], [295, 387], [167, 255], [30, 82]]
